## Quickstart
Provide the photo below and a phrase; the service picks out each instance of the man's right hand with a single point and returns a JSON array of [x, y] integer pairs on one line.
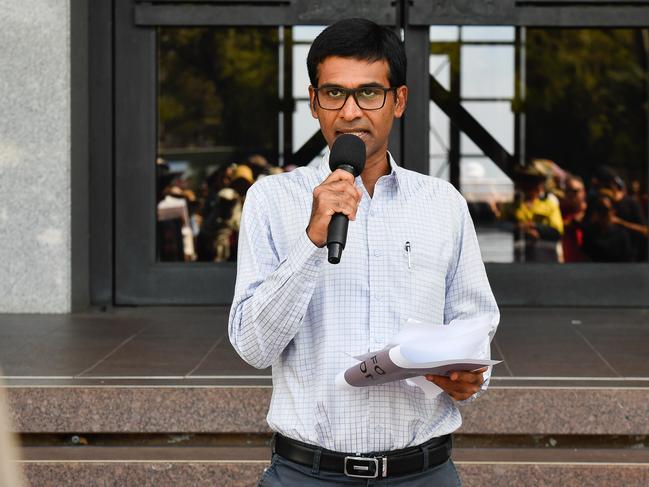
[[336, 194]]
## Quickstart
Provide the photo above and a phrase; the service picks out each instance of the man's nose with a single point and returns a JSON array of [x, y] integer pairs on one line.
[[350, 109]]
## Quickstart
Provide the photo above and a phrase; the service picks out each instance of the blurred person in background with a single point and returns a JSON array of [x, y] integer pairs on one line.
[[10, 475], [640, 196], [242, 178], [259, 165], [222, 227], [627, 212], [537, 220], [573, 210], [217, 240], [213, 209], [174, 208], [555, 179], [604, 239]]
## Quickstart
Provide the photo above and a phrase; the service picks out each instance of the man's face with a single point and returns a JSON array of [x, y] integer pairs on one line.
[[575, 190], [372, 126]]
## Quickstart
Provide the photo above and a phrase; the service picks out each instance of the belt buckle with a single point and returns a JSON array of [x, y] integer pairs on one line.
[[362, 464]]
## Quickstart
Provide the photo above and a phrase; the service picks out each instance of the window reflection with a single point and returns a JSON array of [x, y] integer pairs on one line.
[[570, 106], [232, 108], [218, 102], [487, 71]]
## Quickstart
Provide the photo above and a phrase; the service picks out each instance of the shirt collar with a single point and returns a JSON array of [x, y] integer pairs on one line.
[[394, 176]]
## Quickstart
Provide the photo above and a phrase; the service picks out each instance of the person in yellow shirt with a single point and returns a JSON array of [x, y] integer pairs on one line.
[[536, 215]]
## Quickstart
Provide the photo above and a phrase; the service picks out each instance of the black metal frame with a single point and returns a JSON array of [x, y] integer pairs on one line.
[[541, 13], [79, 173], [122, 140], [100, 138]]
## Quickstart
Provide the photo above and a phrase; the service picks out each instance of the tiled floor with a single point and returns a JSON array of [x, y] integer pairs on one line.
[[191, 343]]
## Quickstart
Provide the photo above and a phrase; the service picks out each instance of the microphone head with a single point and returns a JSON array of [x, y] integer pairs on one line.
[[348, 149]]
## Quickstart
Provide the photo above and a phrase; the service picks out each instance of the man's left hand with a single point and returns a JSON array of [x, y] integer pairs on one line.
[[459, 384]]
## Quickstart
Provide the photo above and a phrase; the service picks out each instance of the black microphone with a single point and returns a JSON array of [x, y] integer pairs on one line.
[[348, 154]]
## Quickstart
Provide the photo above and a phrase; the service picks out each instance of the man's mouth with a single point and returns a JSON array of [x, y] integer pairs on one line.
[[363, 134]]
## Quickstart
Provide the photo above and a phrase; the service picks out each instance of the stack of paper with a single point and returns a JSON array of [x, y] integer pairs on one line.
[[421, 349]]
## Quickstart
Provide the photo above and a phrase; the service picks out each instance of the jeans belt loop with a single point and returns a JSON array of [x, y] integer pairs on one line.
[[424, 454], [315, 469]]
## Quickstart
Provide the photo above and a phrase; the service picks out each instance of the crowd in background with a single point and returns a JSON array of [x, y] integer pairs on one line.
[[557, 218], [202, 224]]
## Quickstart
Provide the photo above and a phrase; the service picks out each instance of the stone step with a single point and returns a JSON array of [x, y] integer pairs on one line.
[[242, 466], [500, 442], [605, 409]]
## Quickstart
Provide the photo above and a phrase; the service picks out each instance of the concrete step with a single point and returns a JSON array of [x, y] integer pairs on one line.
[[159, 433], [572, 409], [242, 466]]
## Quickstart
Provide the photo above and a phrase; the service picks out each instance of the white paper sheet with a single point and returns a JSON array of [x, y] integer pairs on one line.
[[419, 349]]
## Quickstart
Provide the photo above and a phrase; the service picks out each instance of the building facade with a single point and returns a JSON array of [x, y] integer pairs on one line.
[[126, 124]]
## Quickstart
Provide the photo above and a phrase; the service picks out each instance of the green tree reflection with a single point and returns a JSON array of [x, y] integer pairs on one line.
[[587, 99], [218, 87]]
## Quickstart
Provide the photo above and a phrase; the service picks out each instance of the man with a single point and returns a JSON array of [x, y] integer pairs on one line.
[[411, 253], [573, 210]]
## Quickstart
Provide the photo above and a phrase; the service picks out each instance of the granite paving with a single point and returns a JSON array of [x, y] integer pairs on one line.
[[191, 343]]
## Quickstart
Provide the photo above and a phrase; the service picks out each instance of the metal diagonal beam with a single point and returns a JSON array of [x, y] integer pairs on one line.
[[462, 119], [310, 149]]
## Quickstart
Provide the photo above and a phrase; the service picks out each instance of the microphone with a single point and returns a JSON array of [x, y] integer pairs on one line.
[[348, 154]]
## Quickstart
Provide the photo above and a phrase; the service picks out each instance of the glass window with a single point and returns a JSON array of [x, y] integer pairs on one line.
[[439, 132], [488, 33], [487, 71], [497, 118], [304, 125], [572, 113], [300, 75], [444, 33], [210, 149], [306, 33]]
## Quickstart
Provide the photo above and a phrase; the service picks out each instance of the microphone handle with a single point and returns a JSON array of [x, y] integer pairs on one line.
[[337, 236], [337, 231]]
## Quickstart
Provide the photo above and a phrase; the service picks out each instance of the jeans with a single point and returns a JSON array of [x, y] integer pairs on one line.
[[284, 473]]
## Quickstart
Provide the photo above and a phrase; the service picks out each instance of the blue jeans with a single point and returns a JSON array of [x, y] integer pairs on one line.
[[284, 473]]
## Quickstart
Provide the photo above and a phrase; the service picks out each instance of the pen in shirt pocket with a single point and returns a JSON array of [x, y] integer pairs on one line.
[[408, 249]]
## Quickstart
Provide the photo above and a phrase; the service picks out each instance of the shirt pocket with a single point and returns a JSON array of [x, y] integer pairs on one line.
[[421, 278]]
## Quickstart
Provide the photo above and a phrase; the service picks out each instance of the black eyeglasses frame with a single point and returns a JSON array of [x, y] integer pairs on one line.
[[353, 92]]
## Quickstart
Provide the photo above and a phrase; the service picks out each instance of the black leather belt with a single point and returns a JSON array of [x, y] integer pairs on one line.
[[372, 465]]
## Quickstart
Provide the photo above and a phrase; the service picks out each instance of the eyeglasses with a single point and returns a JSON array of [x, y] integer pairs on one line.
[[366, 97]]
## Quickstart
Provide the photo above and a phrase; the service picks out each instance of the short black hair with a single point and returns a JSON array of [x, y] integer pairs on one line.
[[359, 39]]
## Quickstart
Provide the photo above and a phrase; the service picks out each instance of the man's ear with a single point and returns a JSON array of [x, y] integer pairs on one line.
[[401, 101], [312, 102]]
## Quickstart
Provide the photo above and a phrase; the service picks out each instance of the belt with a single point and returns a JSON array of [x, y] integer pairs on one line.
[[371, 465]]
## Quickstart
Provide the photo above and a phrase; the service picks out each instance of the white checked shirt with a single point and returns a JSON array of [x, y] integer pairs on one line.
[[307, 318]]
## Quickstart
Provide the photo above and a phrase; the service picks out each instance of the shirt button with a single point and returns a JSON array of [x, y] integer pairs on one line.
[[377, 253], [378, 297], [372, 213]]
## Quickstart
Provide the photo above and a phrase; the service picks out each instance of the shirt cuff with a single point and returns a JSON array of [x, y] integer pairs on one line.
[[305, 257], [483, 389]]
